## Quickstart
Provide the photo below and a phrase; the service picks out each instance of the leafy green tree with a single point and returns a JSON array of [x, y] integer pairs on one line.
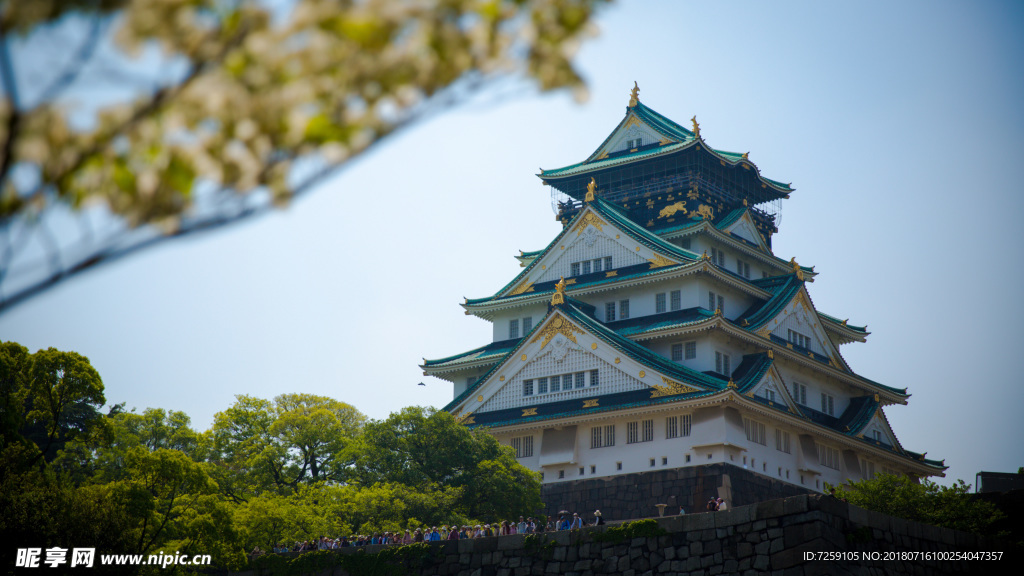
[[925, 501], [428, 449], [296, 439]]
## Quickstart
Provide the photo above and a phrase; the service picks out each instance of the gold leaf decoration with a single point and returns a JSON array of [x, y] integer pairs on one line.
[[671, 388], [590, 403], [671, 210], [589, 219], [634, 95], [557, 325], [660, 261], [524, 287], [704, 212], [529, 412]]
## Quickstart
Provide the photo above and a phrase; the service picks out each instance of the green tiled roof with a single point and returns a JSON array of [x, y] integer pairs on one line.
[[783, 288], [835, 320], [610, 213], [494, 349], [679, 138]]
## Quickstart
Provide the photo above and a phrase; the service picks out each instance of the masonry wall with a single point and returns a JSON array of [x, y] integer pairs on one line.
[[773, 537], [637, 495]]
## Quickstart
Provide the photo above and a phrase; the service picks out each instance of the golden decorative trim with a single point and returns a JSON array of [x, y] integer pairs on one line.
[[603, 155], [559, 296], [558, 325], [746, 155], [745, 202], [523, 358], [643, 374], [612, 273], [731, 384], [591, 189], [660, 261], [671, 388], [593, 345], [590, 403], [563, 247], [617, 360], [696, 126], [789, 345], [480, 398], [634, 95], [524, 286], [637, 248], [501, 379], [570, 281], [650, 204], [650, 223], [529, 411], [616, 236], [876, 397], [467, 420], [589, 219], [694, 192], [670, 210], [763, 332], [771, 355], [745, 322], [543, 266]]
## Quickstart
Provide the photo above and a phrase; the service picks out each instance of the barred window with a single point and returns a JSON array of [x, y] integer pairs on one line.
[[602, 436], [527, 387], [556, 381], [677, 352], [672, 427], [580, 379], [684, 425], [586, 267], [659, 303], [632, 435], [609, 312], [828, 404], [597, 265], [723, 363], [716, 302], [755, 431], [527, 324], [607, 262], [691, 351], [623, 309], [609, 435], [675, 300], [828, 457], [648, 430], [800, 393], [574, 269], [542, 385], [742, 268], [782, 441], [798, 339], [593, 378], [595, 437], [523, 445], [513, 328]]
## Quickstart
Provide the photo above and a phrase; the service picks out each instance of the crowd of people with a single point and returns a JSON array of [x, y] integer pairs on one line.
[[439, 533]]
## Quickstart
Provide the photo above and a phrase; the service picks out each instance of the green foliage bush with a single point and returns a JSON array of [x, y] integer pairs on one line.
[[627, 531]]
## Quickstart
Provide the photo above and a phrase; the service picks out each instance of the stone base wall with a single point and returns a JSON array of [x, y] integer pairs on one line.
[[637, 495], [801, 535]]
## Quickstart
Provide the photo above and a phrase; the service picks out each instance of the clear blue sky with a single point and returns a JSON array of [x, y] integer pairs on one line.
[[899, 125]]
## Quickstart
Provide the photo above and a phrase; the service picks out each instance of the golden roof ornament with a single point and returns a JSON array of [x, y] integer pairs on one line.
[[731, 383], [559, 296], [634, 95], [696, 126], [591, 189], [796, 269], [746, 155]]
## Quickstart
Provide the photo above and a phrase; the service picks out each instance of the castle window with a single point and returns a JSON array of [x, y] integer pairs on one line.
[[652, 462], [527, 324], [556, 383], [716, 302], [799, 339], [800, 393], [677, 426], [618, 465], [574, 269], [675, 300], [609, 312], [867, 468], [632, 436], [742, 268], [596, 439], [586, 267], [769, 395], [561, 474], [755, 431], [718, 257], [513, 328], [828, 456], [607, 262], [877, 435], [648, 430], [684, 243], [782, 441], [677, 352], [659, 303], [687, 458], [593, 469], [542, 385], [527, 387], [523, 446], [580, 379], [597, 265], [723, 363], [623, 309], [828, 404], [581, 470], [690, 350], [593, 378]]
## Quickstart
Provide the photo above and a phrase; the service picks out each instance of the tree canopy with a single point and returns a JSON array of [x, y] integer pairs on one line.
[[242, 104], [268, 471]]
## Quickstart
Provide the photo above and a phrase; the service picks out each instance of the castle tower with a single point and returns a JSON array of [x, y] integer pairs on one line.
[[657, 344]]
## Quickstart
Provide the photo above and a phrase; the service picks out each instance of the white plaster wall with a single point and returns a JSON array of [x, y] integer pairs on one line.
[[501, 320], [590, 245]]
